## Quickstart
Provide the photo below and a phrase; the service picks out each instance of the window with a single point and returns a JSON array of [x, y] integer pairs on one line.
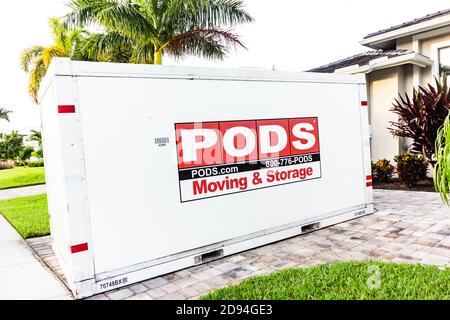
[[444, 63]]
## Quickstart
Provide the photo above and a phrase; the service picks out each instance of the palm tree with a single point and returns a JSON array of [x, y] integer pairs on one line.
[[36, 136], [36, 59], [4, 114], [141, 31]]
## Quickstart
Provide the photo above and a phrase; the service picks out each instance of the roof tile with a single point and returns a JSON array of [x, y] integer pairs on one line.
[[410, 23], [361, 59]]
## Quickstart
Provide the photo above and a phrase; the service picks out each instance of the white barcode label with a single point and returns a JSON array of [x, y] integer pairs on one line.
[[162, 141]]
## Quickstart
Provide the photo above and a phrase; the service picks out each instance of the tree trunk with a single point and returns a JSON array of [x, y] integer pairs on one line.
[[424, 155], [158, 57]]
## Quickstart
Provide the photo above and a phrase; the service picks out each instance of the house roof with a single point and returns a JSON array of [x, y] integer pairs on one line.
[[409, 23], [360, 60]]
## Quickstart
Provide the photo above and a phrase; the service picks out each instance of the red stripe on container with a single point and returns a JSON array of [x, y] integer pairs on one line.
[[369, 178], [368, 184], [66, 109], [79, 248], [364, 103]]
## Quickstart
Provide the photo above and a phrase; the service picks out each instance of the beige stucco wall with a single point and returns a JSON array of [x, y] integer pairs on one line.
[[426, 44], [383, 88], [404, 43], [405, 87], [426, 76], [425, 48], [405, 80]]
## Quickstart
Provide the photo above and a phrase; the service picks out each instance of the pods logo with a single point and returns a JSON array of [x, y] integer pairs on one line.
[[231, 150]]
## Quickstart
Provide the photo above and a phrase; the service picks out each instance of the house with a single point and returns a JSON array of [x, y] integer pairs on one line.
[[401, 57]]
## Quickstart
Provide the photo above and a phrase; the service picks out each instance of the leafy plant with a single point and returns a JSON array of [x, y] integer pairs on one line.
[[411, 168], [35, 164], [382, 170], [421, 117], [26, 153], [36, 59], [442, 167], [141, 31], [36, 136], [13, 149], [4, 114], [39, 154], [10, 146]]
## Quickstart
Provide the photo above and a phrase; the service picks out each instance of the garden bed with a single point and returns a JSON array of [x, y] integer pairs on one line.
[[424, 185]]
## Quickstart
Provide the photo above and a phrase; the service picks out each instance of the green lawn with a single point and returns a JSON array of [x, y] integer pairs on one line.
[[21, 177], [343, 281], [29, 215]]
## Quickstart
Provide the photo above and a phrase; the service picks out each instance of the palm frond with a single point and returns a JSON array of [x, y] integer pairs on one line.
[[108, 47], [212, 43], [190, 14], [37, 73], [75, 40], [28, 56], [36, 136], [222, 13], [4, 114], [143, 54], [51, 52], [179, 27], [121, 16], [59, 31]]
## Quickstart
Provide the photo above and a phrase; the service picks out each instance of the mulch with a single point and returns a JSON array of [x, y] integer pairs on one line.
[[424, 185]]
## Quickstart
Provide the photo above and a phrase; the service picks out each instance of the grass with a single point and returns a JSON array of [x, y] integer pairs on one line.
[[21, 177], [344, 281], [29, 215]]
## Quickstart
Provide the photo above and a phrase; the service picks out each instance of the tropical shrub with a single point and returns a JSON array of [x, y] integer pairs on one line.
[[421, 117], [11, 146], [442, 167], [36, 136], [13, 149], [33, 164], [382, 170], [38, 154], [26, 153], [411, 168]]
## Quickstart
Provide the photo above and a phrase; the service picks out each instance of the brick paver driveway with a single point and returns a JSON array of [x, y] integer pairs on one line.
[[407, 227]]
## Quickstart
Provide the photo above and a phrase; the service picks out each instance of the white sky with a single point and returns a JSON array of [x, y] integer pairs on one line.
[[292, 35]]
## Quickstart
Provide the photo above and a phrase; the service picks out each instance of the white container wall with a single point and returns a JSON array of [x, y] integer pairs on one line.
[[152, 169]]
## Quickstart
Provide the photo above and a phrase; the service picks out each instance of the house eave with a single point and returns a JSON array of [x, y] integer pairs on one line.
[[378, 64], [379, 41]]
